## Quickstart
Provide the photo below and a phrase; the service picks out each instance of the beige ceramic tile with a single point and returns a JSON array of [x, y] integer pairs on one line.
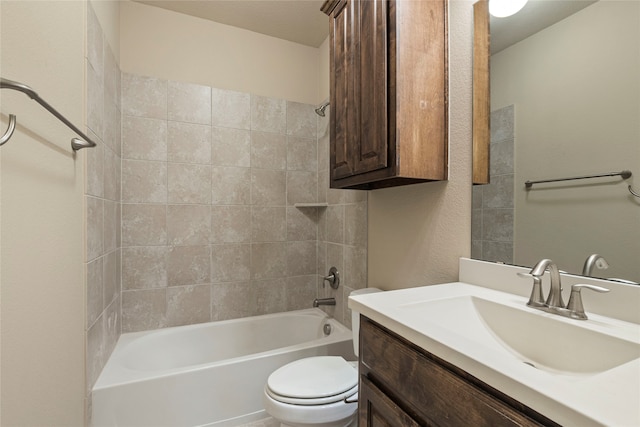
[[355, 267], [111, 121], [111, 75], [144, 139], [323, 186], [301, 258], [497, 225], [144, 267], [302, 223], [113, 325], [335, 224], [301, 120], [144, 224], [188, 224], [95, 351], [230, 186], [268, 187], [230, 147], [112, 175], [95, 101], [230, 263], [111, 225], [95, 170], [143, 310], [144, 181], [95, 227], [95, 42], [268, 224], [111, 277], [355, 224], [189, 183], [230, 109], [189, 103], [268, 260], [268, 150], [270, 296], [301, 187], [187, 305], [302, 154], [188, 143], [301, 291], [268, 114], [144, 96], [230, 224], [188, 265], [94, 291], [232, 300]]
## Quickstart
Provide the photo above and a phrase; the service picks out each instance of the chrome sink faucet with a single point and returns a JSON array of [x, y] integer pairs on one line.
[[554, 299], [554, 304]]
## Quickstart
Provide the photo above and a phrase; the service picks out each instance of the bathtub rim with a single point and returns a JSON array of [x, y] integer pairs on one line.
[[116, 374]]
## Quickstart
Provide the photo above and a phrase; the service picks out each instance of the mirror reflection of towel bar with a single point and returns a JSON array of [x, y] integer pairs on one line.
[[625, 174]]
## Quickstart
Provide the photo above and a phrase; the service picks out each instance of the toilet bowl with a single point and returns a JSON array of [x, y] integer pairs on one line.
[[320, 391]]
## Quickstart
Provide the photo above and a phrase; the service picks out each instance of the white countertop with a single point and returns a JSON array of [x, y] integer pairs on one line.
[[611, 397]]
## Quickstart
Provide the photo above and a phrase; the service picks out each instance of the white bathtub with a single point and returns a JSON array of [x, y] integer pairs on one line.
[[209, 374]]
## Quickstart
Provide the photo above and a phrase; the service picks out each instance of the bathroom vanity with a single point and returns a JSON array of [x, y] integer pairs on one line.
[[422, 389], [472, 353]]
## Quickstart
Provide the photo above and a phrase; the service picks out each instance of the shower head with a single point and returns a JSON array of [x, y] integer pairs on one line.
[[320, 110]]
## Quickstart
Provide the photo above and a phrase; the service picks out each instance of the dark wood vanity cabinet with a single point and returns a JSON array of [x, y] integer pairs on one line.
[[388, 83], [402, 385]]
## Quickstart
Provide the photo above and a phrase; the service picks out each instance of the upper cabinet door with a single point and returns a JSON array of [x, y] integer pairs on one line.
[[343, 120], [388, 92], [372, 86]]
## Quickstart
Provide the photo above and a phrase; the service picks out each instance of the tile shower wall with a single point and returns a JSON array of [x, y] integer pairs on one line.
[[493, 207], [342, 233], [209, 182], [102, 201]]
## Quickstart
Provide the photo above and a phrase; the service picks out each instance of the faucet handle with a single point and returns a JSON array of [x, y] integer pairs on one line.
[[575, 300], [536, 299]]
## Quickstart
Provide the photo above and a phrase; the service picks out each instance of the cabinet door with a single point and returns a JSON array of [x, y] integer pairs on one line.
[[377, 410], [373, 85], [344, 109]]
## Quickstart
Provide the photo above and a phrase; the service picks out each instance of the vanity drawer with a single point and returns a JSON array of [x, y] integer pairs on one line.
[[427, 389]]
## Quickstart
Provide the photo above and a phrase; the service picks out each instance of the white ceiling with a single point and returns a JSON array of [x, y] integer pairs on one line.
[[301, 21]]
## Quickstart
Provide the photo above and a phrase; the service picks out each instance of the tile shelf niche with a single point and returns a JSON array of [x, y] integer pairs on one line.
[[310, 205]]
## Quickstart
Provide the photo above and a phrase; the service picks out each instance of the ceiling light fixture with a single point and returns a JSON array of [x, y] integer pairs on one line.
[[504, 8]]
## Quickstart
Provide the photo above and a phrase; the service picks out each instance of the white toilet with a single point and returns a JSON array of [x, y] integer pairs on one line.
[[312, 391]]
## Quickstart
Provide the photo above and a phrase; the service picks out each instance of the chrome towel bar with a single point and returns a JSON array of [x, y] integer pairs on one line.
[[76, 143]]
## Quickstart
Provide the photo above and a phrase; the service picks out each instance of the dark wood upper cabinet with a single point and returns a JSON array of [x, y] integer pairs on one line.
[[388, 85]]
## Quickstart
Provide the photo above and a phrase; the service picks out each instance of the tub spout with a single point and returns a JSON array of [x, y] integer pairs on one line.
[[324, 301]]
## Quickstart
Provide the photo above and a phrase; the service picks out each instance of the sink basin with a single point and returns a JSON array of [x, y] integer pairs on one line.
[[544, 341]]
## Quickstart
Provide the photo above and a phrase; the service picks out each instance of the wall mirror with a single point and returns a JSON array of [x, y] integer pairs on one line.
[[564, 102]]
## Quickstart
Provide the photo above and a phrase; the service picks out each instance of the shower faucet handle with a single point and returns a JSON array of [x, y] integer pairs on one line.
[[333, 278]]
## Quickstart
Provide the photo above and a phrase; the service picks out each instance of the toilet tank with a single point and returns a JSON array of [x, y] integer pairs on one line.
[[355, 317]]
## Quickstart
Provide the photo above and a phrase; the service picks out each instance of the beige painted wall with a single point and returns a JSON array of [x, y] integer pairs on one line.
[[41, 289], [418, 232], [576, 90], [323, 80], [156, 42]]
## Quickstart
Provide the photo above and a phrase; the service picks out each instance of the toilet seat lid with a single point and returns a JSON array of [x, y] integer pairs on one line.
[[313, 377]]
